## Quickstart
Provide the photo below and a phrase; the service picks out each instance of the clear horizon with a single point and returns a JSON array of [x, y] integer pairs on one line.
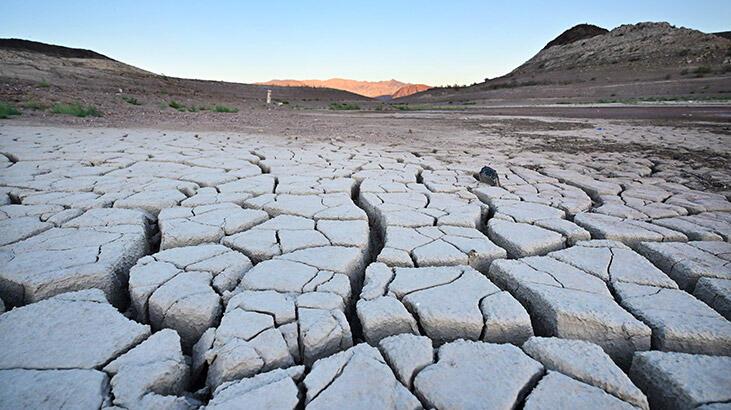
[[461, 42]]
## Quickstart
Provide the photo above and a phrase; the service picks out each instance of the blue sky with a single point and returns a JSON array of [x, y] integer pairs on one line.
[[423, 41]]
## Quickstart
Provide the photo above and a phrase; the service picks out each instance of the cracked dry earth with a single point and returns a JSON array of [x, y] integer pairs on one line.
[[151, 270]]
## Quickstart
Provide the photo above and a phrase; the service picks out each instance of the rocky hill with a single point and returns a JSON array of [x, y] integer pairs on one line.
[[32, 60], [630, 61], [643, 46], [409, 90], [49, 49], [576, 33], [374, 89]]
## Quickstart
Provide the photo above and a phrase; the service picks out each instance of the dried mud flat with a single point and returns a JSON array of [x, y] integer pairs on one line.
[[183, 269]]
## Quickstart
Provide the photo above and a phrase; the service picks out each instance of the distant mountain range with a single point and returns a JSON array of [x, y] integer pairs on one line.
[[384, 90]]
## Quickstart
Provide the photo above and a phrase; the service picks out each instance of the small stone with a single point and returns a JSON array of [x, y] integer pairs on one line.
[[489, 176]]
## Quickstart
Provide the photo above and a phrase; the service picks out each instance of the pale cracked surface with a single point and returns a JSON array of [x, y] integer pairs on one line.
[[688, 262], [679, 321], [346, 379], [527, 228], [179, 270], [75, 348], [181, 288], [438, 246], [94, 250], [276, 389], [585, 362], [681, 380], [424, 301], [498, 374], [77, 330], [205, 223], [567, 302], [154, 374]]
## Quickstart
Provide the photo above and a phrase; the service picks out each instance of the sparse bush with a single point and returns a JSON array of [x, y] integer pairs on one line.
[[428, 107], [76, 109], [343, 106], [702, 71], [35, 105], [131, 100], [178, 106], [512, 84], [223, 108], [684, 71], [43, 84], [7, 110], [667, 76]]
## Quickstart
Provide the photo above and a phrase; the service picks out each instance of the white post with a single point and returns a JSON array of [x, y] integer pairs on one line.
[[269, 96]]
